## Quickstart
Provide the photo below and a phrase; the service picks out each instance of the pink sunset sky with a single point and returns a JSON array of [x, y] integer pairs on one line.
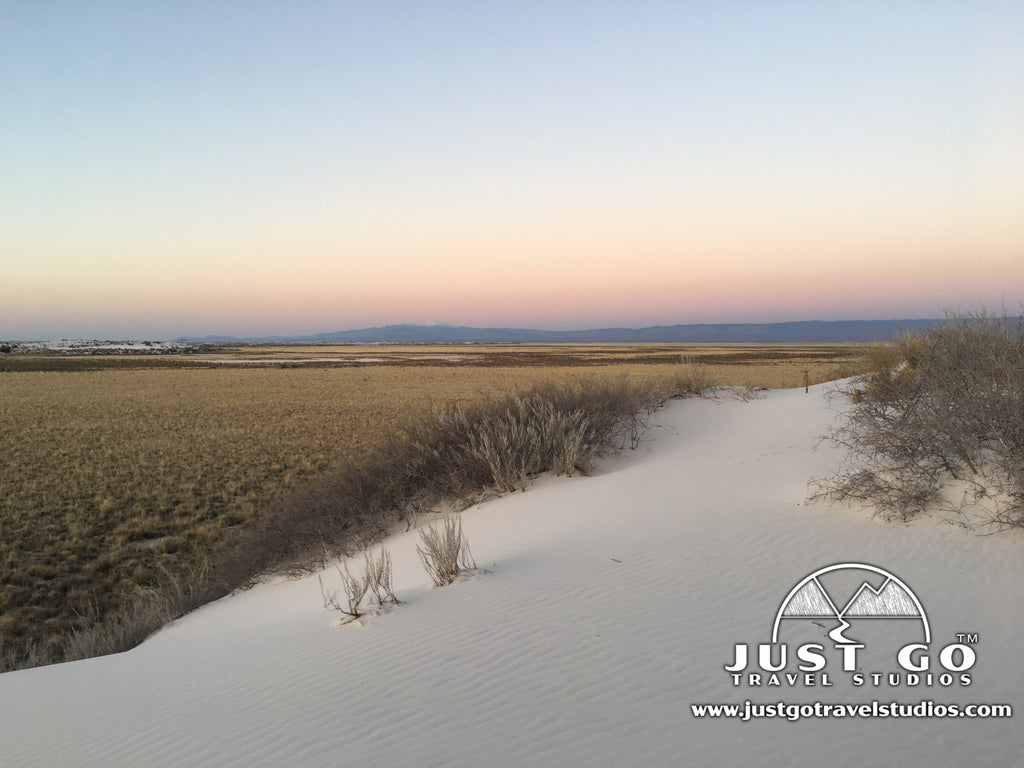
[[266, 168]]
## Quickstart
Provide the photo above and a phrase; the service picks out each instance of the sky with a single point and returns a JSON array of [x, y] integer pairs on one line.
[[256, 168]]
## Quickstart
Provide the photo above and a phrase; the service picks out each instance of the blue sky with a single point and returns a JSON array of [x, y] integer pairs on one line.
[[260, 168]]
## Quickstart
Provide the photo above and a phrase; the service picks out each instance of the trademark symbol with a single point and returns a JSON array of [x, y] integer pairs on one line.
[[967, 637]]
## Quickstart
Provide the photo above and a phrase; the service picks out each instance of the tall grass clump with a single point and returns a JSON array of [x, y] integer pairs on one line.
[[145, 612], [941, 407], [445, 552]]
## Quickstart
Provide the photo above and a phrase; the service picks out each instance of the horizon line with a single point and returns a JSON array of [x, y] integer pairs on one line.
[[440, 325]]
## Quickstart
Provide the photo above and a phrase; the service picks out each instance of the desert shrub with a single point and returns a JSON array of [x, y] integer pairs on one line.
[[355, 588], [940, 406], [502, 442], [375, 580], [378, 570], [691, 378], [445, 552], [515, 438]]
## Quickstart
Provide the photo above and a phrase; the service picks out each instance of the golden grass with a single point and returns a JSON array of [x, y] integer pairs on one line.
[[116, 470]]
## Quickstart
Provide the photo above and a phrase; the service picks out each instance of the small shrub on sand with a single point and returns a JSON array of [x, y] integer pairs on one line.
[[375, 580], [445, 552], [355, 588], [378, 570], [945, 405]]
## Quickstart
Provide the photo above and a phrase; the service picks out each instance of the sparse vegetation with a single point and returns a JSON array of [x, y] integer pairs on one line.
[[166, 598], [355, 588], [375, 581], [941, 407], [445, 553], [123, 475], [378, 570]]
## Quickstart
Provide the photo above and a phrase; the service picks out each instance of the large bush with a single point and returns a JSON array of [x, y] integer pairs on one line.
[[942, 408]]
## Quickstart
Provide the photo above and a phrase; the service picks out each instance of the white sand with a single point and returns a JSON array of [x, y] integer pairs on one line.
[[612, 604]]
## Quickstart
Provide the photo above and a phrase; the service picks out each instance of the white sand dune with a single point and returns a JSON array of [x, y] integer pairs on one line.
[[611, 604]]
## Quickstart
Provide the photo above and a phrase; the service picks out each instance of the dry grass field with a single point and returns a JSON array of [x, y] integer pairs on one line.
[[120, 470]]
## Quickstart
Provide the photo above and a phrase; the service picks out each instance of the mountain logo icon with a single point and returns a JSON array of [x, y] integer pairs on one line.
[[877, 594]]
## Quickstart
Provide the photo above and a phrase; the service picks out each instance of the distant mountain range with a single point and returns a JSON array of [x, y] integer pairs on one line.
[[800, 331]]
